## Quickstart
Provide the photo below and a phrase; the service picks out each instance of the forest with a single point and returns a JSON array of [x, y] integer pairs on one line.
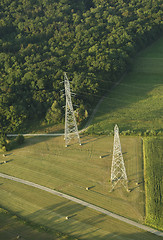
[[93, 41]]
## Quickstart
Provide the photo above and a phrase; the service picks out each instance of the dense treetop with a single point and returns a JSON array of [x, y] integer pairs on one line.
[[93, 41]]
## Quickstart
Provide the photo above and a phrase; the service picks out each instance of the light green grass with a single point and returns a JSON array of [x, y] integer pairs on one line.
[[137, 102], [153, 156], [47, 162]]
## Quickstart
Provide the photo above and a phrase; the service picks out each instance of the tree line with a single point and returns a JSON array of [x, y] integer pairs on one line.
[[93, 41]]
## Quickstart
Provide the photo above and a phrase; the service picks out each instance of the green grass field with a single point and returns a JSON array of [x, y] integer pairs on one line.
[[11, 227], [137, 102], [46, 161], [153, 156], [70, 170]]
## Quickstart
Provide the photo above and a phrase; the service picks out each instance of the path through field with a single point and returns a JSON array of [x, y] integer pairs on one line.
[[86, 204]]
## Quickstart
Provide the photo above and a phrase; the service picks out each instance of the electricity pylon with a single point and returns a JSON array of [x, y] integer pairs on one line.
[[118, 170], [71, 129]]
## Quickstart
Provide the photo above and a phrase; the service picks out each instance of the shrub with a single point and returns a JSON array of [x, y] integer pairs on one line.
[[160, 133], [140, 133], [20, 139], [3, 142], [152, 133], [146, 133], [81, 113], [54, 114]]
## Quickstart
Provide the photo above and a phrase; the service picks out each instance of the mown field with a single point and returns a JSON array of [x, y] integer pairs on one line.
[[11, 227], [153, 156], [137, 102], [70, 170]]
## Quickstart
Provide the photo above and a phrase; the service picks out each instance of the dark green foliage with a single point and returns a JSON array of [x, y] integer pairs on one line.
[[92, 40], [54, 114], [140, 133], [20, 139], [3, 142], [153, 153], [14, 143]]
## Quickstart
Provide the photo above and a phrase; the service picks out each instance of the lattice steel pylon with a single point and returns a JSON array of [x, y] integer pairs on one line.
[[71, 129], [118, 170]]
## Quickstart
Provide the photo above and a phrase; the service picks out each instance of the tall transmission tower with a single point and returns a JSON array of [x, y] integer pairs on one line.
[[71, 129], [118, 171]]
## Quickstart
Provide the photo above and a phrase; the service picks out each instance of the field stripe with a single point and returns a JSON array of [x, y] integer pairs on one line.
[[110, 214]]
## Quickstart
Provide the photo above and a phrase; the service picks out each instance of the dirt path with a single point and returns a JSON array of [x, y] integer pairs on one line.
[[86, 204]]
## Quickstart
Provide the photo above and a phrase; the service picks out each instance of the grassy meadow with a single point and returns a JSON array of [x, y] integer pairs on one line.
[[45, 160], [153, 156], [136, 104], [11, 227]]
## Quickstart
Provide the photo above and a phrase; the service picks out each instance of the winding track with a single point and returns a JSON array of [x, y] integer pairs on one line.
[[86, 204]]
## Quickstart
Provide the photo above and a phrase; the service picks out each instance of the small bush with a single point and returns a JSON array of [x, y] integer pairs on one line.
[[152, 133], [4, 149], [3, 143], [140, 133], [160, 133], [20, 139], [54, 114]]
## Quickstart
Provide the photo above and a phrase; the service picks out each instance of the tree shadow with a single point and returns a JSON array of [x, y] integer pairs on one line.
[[14, 227], [92, 224], [52, 222], [85, 140], [7, 161], [91, 139], [31, 140], [117, 236]]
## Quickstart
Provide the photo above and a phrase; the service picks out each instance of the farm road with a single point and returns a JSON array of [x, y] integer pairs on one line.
[[86, 204]]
